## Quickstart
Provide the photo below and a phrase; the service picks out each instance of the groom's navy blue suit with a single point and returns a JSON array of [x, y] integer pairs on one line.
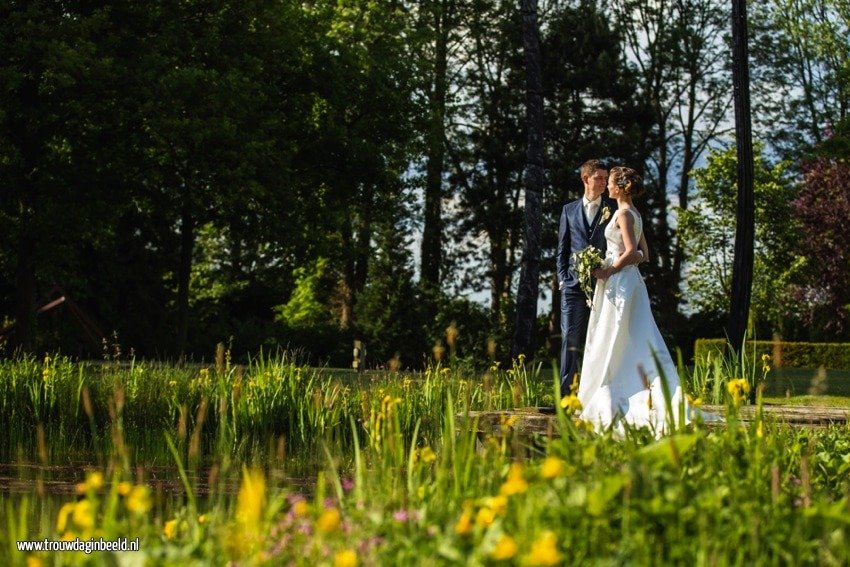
[[575, 234]]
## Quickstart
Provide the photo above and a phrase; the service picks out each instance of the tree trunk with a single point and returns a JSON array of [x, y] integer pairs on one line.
[[684, 186], [184, 270], [742, 272], [555, 320], [25, 296], [497, 279], [526, 313], [433, 227], [346, 285], [363, 242]]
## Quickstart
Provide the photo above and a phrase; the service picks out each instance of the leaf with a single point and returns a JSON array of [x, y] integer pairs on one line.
[[668, 450], [450, 552], [603, 492]]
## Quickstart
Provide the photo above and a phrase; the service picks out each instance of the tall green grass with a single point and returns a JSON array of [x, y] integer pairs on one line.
[[270, 410], [758, 493]]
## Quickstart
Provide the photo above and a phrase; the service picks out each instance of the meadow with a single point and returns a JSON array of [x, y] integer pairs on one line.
[[276, 463]]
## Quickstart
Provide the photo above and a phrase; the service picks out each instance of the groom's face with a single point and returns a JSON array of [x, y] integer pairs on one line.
[[595, 184]]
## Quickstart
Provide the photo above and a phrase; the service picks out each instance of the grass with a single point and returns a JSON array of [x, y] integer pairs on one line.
[[397, 480], [809, 382]]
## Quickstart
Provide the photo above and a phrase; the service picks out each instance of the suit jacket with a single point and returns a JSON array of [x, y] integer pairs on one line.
[[575, 234]]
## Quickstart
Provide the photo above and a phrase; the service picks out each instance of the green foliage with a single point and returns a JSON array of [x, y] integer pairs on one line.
[[389, 312], [307, 307], [801, 60], [707, 230]]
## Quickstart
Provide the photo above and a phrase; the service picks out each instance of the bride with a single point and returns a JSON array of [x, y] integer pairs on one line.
[[625, 358]]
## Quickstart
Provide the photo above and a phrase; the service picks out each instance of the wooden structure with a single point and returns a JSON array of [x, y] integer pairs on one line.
[[530, 421]]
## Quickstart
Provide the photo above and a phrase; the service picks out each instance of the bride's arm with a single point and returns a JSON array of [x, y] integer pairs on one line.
[[644, 248], [631, 254]]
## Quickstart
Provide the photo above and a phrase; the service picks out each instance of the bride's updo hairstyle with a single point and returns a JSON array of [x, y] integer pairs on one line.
[[628, 180]]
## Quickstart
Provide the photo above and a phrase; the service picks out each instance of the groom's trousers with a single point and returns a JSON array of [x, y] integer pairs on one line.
[[574, 317]]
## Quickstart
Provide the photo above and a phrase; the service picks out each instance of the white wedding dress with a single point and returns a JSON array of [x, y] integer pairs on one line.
[[620, 380]]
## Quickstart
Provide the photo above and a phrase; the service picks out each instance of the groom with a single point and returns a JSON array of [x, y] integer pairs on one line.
[[583, 223]]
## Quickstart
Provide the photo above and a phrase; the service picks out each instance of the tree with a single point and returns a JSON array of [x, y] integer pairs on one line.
[[486, 148], [801, 69], [55, 170], [822, 208], [707, 230], [439, 20], [390, 315], [742, 272], [679, 53], [526, 312]]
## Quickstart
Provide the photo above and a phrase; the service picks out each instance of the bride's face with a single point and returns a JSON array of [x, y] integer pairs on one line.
[[613, 190]]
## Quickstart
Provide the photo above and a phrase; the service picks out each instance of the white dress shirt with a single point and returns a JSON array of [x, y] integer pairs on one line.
[[590, 208]]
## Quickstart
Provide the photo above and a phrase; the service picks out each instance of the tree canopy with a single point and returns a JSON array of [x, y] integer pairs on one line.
[[282, 174]]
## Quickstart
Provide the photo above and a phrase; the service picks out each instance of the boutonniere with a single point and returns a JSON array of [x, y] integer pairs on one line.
[[606, 213]]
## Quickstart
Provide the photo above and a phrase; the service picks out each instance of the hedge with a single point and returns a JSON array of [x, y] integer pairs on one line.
[[788, 354]]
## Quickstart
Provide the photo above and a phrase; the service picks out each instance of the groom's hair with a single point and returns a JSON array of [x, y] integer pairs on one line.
[[589, 167]]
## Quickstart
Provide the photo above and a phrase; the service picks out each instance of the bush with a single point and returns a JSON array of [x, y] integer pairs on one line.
[[788, 354]]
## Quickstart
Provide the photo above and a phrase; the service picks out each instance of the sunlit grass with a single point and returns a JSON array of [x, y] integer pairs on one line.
[[394, 477], [815, 401]]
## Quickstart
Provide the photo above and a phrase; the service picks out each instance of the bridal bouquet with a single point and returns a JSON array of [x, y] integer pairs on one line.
[[585, 261]]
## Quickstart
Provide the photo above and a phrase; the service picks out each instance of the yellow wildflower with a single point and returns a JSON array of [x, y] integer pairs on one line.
[[94, 481], [571, 403], [505, 549], [34, 561], [464, 523], [124, 488], [498, 504], [83, 514], [345, 558], [138, 500], [544, 550], [584, 424], [485, 517], [252, 497], [202, 518], [169, 530], [329, 521], [515, 483], [738, 389], [552, 467], [62, 518], [300, 508], [427, 454]]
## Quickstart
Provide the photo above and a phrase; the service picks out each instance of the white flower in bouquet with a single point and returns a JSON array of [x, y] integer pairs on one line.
[[585, 261]]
